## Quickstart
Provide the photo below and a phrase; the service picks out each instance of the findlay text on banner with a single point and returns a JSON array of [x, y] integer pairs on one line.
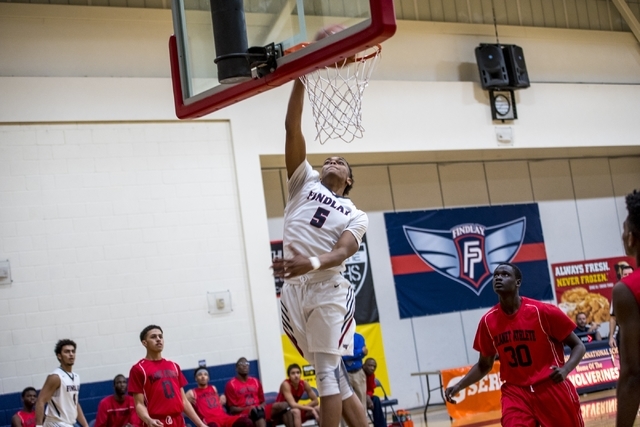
[[586, 286], [443, 260], [481, 397]]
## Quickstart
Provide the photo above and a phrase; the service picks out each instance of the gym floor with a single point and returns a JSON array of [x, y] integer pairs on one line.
[[598, 410]]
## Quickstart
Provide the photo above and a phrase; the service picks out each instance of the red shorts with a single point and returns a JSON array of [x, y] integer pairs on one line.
[[170, 420], [223, 420], [267, 410], [547, 404]]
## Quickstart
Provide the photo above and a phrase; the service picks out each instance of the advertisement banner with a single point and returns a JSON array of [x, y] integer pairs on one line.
[[443, 260], [586, 286], [599, 369], [481, 397]]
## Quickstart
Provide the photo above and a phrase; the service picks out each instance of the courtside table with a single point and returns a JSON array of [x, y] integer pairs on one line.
[[427, 374]]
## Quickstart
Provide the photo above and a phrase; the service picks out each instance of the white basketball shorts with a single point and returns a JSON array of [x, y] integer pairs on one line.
[[318, 317]]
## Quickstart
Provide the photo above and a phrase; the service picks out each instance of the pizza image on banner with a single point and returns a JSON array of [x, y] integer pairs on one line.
[[443, 260], [586, 286]]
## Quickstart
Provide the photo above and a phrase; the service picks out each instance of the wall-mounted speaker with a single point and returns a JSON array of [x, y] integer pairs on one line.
[[516, 67], [492, 66]]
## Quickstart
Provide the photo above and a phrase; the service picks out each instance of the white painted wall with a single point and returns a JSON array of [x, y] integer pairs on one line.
[[66, 69]]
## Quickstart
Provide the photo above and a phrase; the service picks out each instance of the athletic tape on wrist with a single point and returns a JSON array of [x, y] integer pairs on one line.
[[315, 263]]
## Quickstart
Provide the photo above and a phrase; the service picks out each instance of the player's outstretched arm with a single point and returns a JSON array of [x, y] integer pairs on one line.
[[51, 384], [190, 412], [82, 420], [559, 374], [295, 149], [477, 372], [628, 390]]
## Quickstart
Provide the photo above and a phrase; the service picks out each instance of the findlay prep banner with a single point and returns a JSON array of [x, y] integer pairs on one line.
[[443, 260]]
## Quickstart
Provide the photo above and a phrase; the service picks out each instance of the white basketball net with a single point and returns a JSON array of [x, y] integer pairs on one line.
[[336, 93]]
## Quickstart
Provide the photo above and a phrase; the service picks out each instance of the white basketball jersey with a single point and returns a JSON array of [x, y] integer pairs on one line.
[[315, 218], [63, 406]]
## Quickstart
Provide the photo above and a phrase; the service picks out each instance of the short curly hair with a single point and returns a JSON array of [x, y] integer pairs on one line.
[[143, 334], [633, 207], [62, 343], [516, 271]]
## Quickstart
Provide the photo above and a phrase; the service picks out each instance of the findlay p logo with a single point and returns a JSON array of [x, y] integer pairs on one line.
[[468, 253]]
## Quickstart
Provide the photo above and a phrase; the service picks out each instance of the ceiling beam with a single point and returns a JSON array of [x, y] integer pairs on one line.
[[628, 17]]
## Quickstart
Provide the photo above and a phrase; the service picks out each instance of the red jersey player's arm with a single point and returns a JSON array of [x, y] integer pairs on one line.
[[51, 384], [191, 413], [143, 413], [559, 374], [16, 421], [628, 391], [191, 397], [477, 372], [312, 395]]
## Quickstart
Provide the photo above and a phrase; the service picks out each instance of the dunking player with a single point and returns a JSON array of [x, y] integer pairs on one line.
[[322, 228], [156, 385], [60, 392], [208, 405], [528, 337], [27, 416], [626, 304]]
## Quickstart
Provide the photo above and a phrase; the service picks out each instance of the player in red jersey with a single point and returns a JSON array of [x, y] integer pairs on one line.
[[528, 337], [209, 405], [117, 410], [291, 391], [245, 396], [157, 386], [626, 305], [27, 416]]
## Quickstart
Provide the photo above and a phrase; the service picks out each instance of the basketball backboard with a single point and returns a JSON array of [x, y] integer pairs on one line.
[[286, 24]]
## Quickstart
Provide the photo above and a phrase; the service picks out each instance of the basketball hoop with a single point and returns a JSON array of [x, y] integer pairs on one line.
[[335, 93]]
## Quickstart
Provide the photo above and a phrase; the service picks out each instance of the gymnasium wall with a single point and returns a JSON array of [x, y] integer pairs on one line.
[[581, 210], [113, 214]]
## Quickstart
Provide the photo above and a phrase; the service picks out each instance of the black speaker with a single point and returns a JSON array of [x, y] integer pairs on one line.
[[492, 66], [516, 67]]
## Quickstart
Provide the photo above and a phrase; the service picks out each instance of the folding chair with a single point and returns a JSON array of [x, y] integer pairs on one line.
[[386, 402]]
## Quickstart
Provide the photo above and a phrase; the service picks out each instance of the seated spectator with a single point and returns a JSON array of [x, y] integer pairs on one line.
[[291, 391], [27, 416], [373, 402], [210, 406], [245, 396], [118, 410], [586, 333]]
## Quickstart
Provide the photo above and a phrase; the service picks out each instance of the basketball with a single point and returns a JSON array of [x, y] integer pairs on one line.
[[328, 30]]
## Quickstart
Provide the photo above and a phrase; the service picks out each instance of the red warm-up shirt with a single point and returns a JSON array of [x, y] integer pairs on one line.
[[28, 419], [160, 381], [296, 393], [633, 283], [371, 384], [244, 393], [527, 342], [112, 413]]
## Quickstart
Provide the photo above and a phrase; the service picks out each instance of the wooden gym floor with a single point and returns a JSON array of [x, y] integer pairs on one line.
[[598, 410]]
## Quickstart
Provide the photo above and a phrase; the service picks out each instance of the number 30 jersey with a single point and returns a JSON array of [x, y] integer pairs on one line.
[[315, 218], [527, 342], [160, 381]]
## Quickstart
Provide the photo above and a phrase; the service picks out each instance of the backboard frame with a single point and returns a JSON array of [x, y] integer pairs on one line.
[[380, 27]]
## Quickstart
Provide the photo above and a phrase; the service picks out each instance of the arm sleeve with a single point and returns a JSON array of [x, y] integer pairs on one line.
[[302, 174], [483, 343], [358, 225], [559, 324], [232, 398], [101, 416], [136, 380]]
